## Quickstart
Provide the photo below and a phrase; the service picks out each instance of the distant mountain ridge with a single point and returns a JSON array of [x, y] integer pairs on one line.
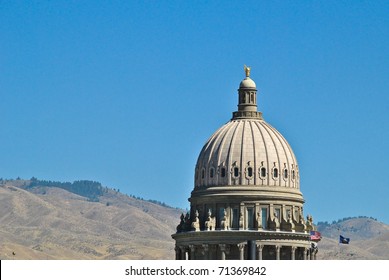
[[86, 188], [48, 222], [56, 221], [369, 239], [357, 228]]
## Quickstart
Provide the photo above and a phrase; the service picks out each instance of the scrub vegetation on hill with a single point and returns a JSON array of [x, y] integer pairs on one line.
[[324, 224], [92, 190]]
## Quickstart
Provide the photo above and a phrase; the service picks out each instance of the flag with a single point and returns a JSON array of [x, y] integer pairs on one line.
[[315, 235], [344, 240]]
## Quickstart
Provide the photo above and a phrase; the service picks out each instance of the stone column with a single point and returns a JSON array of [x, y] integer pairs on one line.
[[205, 252], [178, 252], [293, 253], [271, 212], [184, 255], [305, 253], [241, 251], [260, 247], [278, 249], [192, 250], [222, 251]]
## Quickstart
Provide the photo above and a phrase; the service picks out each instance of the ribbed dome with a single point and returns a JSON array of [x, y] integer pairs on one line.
[[247, 152]]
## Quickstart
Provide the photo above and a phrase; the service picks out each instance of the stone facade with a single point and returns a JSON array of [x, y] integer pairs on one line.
[[246, 202]]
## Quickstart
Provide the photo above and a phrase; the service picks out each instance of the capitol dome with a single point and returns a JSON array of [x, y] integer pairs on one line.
[[246, 202], [248, 152]]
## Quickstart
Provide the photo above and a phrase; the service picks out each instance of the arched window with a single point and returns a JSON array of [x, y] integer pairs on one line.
[[293, 175], [286, 173], [275, 173], [236, 171], [202, 173], [250, 172], [223, 172], [211, 172], [263, 172]]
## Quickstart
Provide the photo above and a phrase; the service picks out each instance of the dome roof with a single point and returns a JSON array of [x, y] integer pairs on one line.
[[247, 83], [247, 151]]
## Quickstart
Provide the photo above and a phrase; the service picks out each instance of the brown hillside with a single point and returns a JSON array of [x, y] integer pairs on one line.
[[369, 240], [51, 223]]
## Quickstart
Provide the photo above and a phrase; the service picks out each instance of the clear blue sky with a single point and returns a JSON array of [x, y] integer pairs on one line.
[[127, 92]]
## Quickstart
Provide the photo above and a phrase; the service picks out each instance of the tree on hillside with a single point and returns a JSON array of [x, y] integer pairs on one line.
[[89, 189]]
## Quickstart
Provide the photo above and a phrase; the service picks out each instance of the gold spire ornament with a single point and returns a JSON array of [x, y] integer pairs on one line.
[[247, 70]]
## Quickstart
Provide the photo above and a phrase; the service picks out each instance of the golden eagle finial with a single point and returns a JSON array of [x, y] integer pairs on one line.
[[247, 70]]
